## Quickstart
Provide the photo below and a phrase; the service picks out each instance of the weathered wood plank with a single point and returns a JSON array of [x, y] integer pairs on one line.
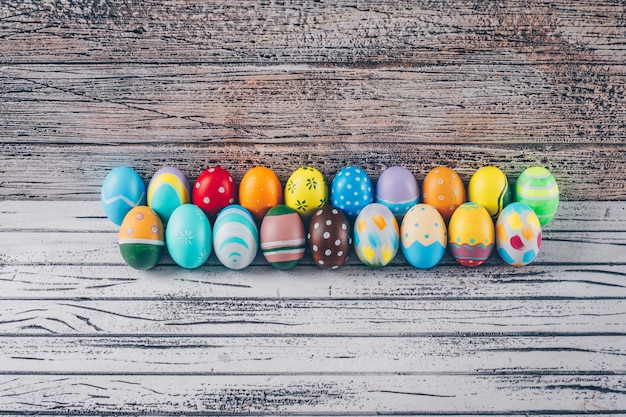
[[317, 394], [279, 355], [277, 316], [85, 120], [88, 216], [447, 281], [370, 33]]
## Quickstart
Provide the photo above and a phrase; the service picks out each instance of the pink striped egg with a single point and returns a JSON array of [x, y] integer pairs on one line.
[[282, 237]]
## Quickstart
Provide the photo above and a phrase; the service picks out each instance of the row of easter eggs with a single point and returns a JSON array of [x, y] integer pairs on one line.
[[306, 190], [422, 236], [189, 237]]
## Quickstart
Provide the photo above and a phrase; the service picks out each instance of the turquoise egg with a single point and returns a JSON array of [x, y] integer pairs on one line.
[[235, 237], [188, 236], [168, 189], [122, 190], [423, 236]]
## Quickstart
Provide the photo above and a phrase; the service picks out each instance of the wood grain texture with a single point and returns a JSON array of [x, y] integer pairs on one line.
[[463, 84], [86, 86], [84, 121], [82, 333]]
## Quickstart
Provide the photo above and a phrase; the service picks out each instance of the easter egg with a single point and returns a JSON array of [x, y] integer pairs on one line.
[[537, 187], [259, 191], [489, 187], [423, 236], [282, 237], [122, 190], [444, 190], [329, 237], [167, 190], [376, 235], [305, 191], [188, 236], [213, 190], [471, 234], [397, 189], [141, 238], [235, 237], [518, 234], [351, 190]]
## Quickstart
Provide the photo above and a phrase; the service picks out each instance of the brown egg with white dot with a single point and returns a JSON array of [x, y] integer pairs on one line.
[[330, 237]]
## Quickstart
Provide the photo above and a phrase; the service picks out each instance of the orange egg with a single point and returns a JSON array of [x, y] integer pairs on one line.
[[259, 191], [443, 189]]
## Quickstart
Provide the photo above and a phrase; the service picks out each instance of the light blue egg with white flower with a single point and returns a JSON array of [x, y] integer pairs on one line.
[[188, 236], [235, 237]]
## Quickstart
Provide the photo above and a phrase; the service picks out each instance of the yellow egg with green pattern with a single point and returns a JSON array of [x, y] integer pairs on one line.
[[306, 190]]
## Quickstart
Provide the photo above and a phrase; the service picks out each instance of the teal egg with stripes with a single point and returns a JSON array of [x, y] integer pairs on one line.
[[235, 237]]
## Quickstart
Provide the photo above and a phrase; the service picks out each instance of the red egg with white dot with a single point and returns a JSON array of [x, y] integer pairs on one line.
[[213, 190]]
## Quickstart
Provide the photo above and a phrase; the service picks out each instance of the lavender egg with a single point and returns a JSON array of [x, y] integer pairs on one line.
[[397, 189]]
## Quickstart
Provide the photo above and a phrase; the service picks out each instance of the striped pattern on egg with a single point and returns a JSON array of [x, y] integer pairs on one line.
[[235, 237], [282, 237]]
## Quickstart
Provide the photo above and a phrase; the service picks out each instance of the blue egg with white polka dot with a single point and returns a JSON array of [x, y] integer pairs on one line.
[[351, 190]]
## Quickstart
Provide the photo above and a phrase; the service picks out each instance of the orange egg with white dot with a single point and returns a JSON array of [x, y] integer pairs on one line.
[[444, 190], [259, 191]]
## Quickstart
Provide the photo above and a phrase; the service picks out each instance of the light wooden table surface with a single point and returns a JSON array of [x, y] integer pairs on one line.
[[90, 85]]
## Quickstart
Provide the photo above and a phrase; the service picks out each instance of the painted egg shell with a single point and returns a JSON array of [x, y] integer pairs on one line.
[[235, 237], [443, 189], [188, 236], [167, 190], [141, 238], [397, 189], [306, 190], [122, 190], [213, 190], [329, 237], [423, 236], [282, 237], [259, 191], [471, 234], [376, 235], [518, 234], [537, 187], [351, 190], [489, 187]]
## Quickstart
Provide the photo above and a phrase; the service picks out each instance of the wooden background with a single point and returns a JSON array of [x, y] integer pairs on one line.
[[87, 85]]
